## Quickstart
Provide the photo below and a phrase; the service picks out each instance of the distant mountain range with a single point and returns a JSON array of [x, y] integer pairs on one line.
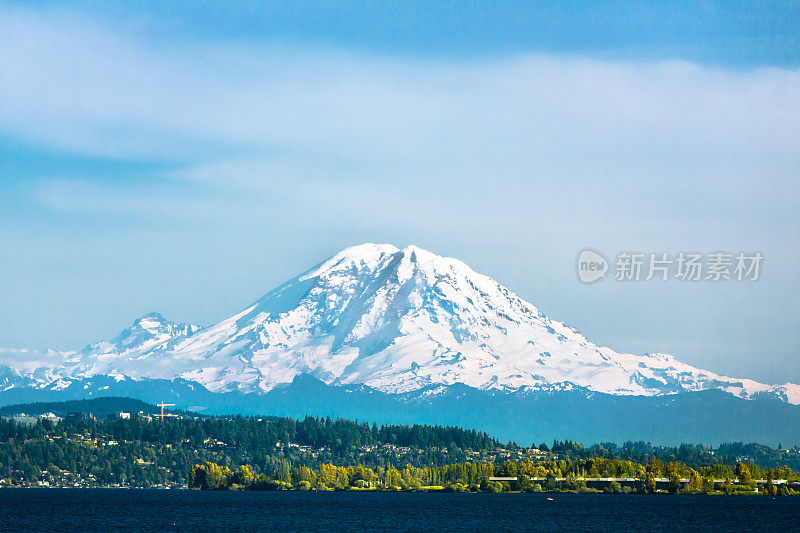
[[411, 335]]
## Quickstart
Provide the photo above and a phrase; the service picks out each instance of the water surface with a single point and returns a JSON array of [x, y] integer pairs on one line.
[[93, 510]]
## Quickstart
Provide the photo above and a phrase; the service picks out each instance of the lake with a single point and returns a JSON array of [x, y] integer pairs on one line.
[[88, 510]]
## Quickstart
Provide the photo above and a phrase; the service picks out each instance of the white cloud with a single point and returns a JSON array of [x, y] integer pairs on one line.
[[99, 92], [305, 123]]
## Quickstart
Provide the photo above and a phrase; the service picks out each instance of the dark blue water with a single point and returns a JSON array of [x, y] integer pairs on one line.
[[158, 510]]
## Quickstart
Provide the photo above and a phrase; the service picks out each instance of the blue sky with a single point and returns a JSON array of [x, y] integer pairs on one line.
[[186, 158]]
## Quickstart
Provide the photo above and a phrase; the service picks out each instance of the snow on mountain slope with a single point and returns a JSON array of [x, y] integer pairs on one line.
[[395, 320]]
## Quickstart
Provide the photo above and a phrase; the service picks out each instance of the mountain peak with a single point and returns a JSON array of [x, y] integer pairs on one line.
[[363, 256], [372, 257], [150, 321], [147, 332], [420, 256], [412, 249], [365, 252], [398, 321]]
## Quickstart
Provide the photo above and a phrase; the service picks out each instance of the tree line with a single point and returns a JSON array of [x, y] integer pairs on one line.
[[145, 453], [525, 476]]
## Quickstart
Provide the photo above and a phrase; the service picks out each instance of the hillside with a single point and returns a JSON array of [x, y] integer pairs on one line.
[[99, 407]]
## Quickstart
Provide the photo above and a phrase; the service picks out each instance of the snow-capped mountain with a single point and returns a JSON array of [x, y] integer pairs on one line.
[[393, 320]]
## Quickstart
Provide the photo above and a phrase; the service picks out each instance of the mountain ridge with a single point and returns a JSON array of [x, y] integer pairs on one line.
[[710, 416], [394, 320]]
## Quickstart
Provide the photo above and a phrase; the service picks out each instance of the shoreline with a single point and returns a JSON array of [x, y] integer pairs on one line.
[[442, 490]]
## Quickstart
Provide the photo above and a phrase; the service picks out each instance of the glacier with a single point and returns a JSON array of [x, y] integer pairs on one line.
[[394, 320]]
